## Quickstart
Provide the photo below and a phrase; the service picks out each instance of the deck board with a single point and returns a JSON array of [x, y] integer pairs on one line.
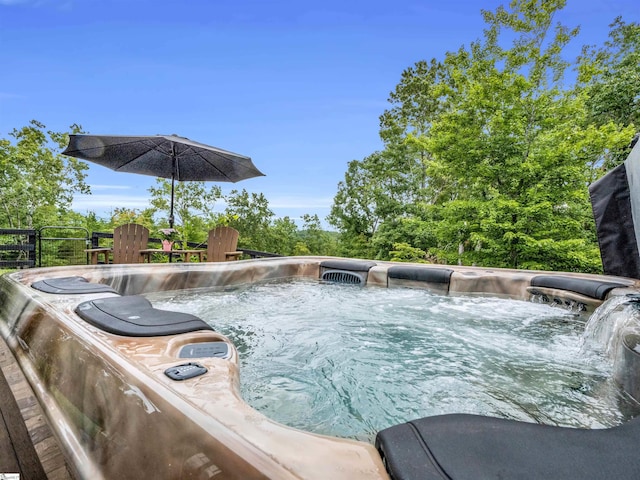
[[27, 444]]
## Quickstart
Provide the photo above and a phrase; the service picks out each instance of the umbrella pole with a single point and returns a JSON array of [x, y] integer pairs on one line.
[[173, 184], [173, 181]]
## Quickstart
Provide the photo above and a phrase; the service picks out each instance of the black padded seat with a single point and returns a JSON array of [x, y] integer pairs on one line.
[[420, 274], [134, 316], [71, 285], [588, 287], [472, 447], [350, 265]]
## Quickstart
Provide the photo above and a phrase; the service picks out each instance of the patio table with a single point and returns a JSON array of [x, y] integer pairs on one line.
[[186, 254], [95, 252]]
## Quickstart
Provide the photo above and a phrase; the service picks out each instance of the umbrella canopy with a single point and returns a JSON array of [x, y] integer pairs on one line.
[[166, 156]]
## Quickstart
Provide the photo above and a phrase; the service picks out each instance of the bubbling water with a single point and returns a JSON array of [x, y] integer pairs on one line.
[[349, 361], [603, 331]]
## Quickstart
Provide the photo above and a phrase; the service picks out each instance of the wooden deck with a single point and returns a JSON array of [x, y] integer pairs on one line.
[[27, 444]]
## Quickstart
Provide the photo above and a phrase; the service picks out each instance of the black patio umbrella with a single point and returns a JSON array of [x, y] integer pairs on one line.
[[166, 156]]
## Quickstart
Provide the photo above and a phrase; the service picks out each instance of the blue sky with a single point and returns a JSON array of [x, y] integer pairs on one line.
[[296, 85]]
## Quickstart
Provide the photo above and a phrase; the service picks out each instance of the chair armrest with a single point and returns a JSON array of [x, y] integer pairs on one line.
[[233, 255]]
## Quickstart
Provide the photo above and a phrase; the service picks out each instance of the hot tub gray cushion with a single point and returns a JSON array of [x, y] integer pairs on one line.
[[71, 285], [420, 274], [591, 288], [134, 316], [352, 265], [472, 447]]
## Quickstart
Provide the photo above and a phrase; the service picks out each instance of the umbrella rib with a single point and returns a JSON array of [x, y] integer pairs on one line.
[[207, 161], [224, 155], [149, 143]]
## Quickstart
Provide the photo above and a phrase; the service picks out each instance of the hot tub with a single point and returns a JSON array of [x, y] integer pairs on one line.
[[135, 392]]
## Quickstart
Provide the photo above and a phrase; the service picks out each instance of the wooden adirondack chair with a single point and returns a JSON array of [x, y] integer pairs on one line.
[[222, 244], [128, 240]]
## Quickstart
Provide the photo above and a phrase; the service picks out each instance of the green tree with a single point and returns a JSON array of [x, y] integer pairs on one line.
[[194, 206], [90, 221], [282, 237], [403, 252], [122, 215], [315, 240], [612, 77], [372, 191], [410, 232], [488, 153], [36, 182], [416, 103], [511, 146], [249, 213]]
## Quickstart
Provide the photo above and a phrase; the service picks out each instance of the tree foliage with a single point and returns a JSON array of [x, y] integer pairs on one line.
[[487, 156], [36, 182], [194, 207], [37, 186], [488, 152], [612, 77]]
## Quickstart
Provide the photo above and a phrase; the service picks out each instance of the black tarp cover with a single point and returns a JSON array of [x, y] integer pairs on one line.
[[615, 200]]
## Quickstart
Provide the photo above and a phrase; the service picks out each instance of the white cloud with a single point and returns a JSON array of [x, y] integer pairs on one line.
[[300, 202], [6, 95], [107, 202], [60, 5], [109, 187], [16, 2], [116, 196]]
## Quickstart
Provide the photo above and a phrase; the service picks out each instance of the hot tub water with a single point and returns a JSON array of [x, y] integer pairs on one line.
[[602, 331], [350, 361]]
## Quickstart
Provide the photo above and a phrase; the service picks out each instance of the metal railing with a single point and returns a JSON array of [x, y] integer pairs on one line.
[[97, 236], [17, 248], [60, 245]]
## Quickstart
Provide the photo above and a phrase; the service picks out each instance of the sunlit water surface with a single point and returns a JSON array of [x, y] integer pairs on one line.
[[349, 361]]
